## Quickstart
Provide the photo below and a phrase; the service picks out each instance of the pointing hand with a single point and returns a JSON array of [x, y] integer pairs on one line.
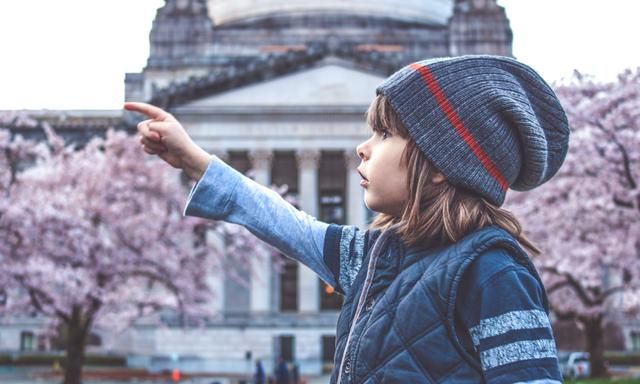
[[161, 134]]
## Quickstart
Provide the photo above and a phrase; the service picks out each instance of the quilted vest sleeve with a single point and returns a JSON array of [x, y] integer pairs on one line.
[[467, 251]]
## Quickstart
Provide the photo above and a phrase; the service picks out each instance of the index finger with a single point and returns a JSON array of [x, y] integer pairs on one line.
[[148, 110]]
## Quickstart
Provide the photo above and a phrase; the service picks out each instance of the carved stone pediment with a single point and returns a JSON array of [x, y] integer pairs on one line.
[[322, 86]]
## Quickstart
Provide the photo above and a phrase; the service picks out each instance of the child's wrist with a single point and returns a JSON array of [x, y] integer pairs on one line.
[[196, 164]]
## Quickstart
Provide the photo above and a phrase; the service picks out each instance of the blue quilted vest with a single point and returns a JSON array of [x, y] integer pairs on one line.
[[397, 323]]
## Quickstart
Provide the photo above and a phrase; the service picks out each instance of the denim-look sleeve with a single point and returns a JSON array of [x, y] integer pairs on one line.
[[223, 193]]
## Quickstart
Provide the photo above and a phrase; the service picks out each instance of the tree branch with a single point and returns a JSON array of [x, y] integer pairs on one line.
[[34, 292], [127, 244], [622, 203], [564, 315], [611, 291], [556, 286], [573, 283], [625, 154], [162, 280], [96, 302]]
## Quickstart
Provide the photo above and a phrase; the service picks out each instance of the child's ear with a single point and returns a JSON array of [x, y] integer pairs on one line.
[[438, 178]]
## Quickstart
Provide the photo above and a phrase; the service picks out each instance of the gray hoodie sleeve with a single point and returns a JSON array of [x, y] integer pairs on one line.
[[333, 252]]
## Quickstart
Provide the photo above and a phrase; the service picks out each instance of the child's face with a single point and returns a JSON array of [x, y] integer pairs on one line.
[[384, 177]]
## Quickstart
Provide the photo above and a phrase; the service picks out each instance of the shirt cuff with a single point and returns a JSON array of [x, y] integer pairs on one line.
[[210, 195]]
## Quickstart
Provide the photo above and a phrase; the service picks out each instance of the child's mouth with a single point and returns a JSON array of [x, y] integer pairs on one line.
[[364, 182]]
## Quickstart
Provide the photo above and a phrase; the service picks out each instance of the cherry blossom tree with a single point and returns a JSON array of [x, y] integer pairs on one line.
[[587, 218], [95, 236]]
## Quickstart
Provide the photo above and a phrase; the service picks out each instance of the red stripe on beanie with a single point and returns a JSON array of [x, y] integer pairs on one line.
[[457, 124]]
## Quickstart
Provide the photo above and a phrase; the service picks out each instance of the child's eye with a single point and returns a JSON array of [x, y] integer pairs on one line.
[[385, 134]]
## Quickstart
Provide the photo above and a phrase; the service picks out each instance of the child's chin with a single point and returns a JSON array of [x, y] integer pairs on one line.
[[367, 201], [372, 204]]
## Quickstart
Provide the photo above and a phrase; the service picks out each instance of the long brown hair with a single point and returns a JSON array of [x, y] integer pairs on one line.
[[436, 213]]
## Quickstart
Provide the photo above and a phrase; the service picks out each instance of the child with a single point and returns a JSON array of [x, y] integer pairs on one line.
[[439, 288]]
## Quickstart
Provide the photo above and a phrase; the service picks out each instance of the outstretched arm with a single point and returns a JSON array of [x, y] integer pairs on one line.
[[225, 194], [333, 252]]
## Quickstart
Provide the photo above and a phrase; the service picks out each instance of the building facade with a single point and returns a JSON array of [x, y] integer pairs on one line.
[[279, 88]]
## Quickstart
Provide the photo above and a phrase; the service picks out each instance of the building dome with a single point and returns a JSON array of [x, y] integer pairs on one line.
[[435, 12]]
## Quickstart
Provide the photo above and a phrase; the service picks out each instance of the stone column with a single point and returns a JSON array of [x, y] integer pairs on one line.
[[216, 277], [261, 270], [308, 285], [356, 210]]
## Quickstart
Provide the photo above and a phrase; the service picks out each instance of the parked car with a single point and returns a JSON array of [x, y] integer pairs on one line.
[[574, 365]]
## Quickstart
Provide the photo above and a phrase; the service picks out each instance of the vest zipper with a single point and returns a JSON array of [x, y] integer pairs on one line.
[[363, 294]]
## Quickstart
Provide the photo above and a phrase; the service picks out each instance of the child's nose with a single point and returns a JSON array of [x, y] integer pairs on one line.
[[360, 150]]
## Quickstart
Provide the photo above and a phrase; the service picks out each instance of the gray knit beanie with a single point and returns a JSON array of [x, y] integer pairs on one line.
[[486, 122]]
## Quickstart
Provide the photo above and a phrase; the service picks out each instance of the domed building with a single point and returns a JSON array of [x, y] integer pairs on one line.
[[281, 87], [200, 48]]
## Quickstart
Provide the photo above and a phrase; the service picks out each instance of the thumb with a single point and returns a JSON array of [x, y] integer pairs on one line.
[[143, 128], [164, 129]]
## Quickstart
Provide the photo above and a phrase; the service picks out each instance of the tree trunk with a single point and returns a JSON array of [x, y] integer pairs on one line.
[[594, 331], [76, 338]]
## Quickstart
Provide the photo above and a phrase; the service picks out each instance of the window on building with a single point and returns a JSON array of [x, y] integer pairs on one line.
[[289, 285], [332, 181], [332, 207], [329, 299], [635, 341], [237, 290], [284, 171], [27, 341], [43, 343], [285, 348], [240, 161], [328, 352]]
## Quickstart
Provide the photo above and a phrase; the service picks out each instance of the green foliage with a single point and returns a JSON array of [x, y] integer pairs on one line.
[[603, 381], [623, 358]]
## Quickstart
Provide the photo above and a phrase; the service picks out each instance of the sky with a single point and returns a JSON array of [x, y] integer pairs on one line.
[[73, 54]]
